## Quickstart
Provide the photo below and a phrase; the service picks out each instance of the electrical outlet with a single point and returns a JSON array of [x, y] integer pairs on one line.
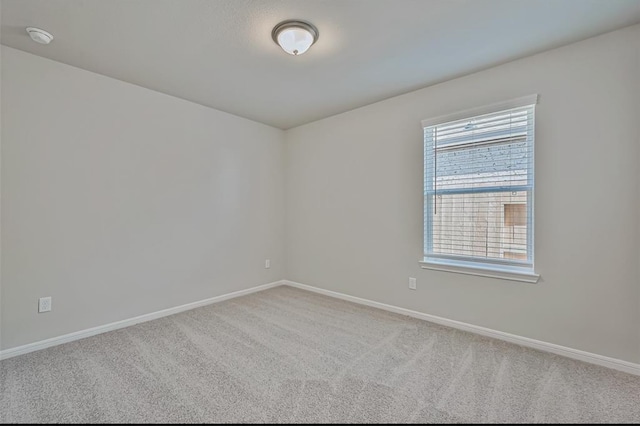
[[412, 283], [44, 304], [267, 263]]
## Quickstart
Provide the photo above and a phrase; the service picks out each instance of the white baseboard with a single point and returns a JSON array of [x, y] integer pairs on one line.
[[604, 361], [36, 346]]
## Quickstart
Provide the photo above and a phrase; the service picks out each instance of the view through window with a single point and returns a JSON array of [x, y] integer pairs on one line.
[[479, 188]]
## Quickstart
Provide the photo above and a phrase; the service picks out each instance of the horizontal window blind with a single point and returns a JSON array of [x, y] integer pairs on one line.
[[478, 185]]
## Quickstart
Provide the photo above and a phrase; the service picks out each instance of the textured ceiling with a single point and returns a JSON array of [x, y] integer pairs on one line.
[[219, 53]]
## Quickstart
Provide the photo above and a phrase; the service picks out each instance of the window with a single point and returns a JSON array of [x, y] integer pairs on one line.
[[478, 190]]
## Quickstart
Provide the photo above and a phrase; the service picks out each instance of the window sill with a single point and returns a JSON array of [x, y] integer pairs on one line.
[[511, 274]]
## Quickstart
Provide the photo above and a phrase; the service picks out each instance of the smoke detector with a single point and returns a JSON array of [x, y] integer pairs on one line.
[[39, 36]]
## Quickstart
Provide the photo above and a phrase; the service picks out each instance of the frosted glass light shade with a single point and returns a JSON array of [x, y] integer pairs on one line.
[[295, 37], [295, 41]]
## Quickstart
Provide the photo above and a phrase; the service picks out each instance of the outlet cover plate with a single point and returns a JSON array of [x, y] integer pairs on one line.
[[412, 283], [44, 304]]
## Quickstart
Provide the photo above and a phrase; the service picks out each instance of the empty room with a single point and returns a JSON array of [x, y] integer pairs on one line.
[[320, 211]]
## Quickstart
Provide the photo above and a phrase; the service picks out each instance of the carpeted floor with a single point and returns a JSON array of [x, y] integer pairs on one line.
[[287, 355]]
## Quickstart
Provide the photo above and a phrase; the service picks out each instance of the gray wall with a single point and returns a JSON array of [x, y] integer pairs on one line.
[[354, 200], [119, 201]]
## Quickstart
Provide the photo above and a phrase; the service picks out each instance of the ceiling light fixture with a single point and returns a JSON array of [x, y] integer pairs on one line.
[[295, 37], [39, 36]]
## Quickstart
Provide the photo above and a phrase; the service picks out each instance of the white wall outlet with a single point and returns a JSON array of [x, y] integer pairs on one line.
[[267, 263], [412, 283], [44, 304]]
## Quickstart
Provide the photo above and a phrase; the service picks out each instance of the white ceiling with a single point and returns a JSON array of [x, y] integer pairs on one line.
[[219, 53]]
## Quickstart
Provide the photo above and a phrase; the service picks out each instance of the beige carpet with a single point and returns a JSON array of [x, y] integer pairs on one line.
[[287, 355]]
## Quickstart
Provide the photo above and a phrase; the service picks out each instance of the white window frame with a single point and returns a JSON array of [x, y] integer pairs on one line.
[[496, 268]]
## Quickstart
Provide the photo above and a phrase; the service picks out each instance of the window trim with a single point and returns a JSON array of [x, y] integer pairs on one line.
[[491, 269], [503, 272], [486, 109]]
